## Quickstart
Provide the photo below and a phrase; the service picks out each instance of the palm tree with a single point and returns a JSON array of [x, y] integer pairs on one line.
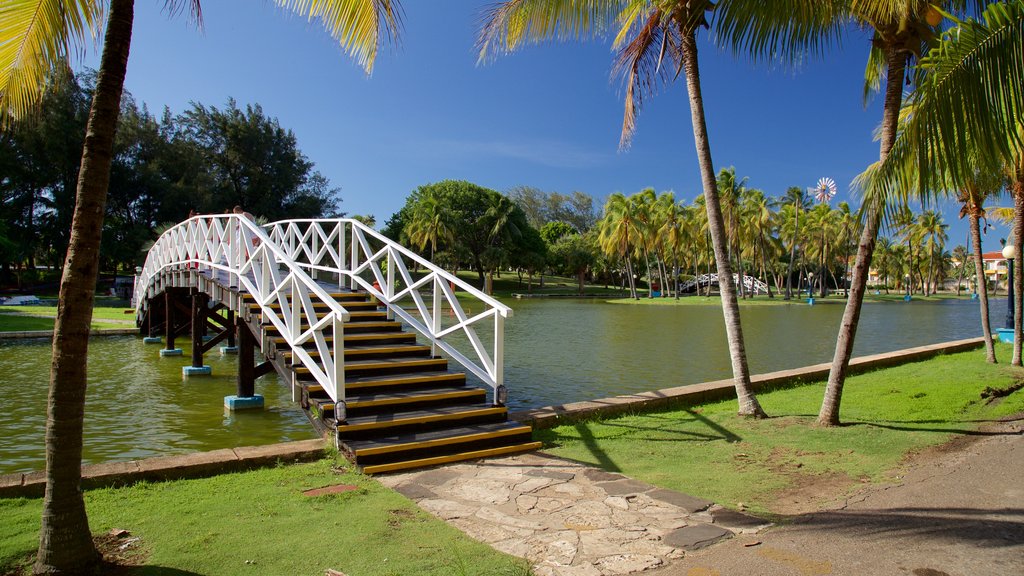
[[617, 234], [731, 190], [901, 28], [654, 37], [47, 30], [671, 233], [430, 223], [966, 122], [933, 232], [759, 215], [960, 256], [794, 197]]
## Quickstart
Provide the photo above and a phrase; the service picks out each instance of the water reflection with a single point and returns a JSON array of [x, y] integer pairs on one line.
[[137, 404]]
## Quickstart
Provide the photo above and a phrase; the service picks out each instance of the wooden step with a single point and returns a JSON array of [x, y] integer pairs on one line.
[[448, 458], [363, 352], [339, 296], [392, 337], [366, 450], [398, 381], [385, 366], [358, 404], [362, 427], [357, 327]]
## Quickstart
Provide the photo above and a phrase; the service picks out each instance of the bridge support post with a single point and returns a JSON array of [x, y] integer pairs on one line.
[[149, 326], [169, 349], [200, 308], [232, 347], [246, 397]]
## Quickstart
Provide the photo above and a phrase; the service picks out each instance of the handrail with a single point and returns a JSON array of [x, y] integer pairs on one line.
[[349, 250], [236, 250]]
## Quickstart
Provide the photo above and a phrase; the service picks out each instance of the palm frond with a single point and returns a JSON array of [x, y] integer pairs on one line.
[[968, 112], [787, 31], [35, 37], [358, 25], [510, 25], [640, 65]]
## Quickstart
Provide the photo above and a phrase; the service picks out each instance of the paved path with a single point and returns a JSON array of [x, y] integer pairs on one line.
[[958, 514], [567, 518], [961, 514]]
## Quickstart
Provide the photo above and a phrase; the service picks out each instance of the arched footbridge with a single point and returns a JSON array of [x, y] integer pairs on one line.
[[370, 336], [750, 283]]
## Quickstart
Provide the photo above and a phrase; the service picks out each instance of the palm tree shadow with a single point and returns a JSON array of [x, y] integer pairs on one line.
[[593, 444], [158, 571]]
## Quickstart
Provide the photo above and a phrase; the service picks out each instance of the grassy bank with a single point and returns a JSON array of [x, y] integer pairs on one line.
[[27, 318], [260, 522], [709, 452]]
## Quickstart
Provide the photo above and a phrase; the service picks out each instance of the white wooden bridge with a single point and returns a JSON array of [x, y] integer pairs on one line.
[[327, 304]]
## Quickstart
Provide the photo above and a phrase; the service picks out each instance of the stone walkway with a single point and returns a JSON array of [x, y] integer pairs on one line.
[[567, 518]]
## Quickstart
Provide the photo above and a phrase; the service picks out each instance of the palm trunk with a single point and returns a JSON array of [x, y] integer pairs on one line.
[[748, 404], [65, 541], [979, 268], [829, 414], [792, 253], [1017, 187]]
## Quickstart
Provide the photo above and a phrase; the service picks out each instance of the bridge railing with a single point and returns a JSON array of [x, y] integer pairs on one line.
[[350, 253], [236, 251]]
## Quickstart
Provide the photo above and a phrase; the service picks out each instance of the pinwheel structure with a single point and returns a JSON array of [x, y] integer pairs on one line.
[[825, 189]]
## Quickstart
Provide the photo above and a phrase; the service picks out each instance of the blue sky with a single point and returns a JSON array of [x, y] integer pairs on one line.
[[547, 116]]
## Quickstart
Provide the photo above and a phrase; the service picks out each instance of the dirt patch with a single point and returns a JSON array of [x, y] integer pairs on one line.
[[398, 517], [812, 492], [121, 553]]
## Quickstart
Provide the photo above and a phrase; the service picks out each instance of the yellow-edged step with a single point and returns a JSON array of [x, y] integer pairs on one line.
[[427, 419], [379, 468], [451, 395], [424, 444]]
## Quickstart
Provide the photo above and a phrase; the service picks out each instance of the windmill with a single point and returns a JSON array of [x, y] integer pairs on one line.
[[824, 190]]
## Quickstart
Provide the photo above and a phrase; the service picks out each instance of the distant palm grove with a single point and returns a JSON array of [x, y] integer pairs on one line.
[[652, 242]]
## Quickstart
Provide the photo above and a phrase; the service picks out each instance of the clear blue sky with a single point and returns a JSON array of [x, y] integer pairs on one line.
[[547, 117]]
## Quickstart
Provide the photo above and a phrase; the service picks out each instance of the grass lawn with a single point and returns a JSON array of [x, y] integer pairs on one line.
[[259, 522], [27, 318], [709, 452]]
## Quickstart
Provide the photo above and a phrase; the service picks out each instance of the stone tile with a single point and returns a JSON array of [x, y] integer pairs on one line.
[[415, 491], [533, 484], [555, 474], [623, 487], [696, 536], [689, 503], [553, 570], [446, 509], [598, 475], [627, 563], [481, 490], [617, 502], [738, 521], [436, 476], [492, 515]]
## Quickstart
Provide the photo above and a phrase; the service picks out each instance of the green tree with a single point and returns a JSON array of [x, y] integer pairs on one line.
[[36, 36], [552, 231], [575, 254]]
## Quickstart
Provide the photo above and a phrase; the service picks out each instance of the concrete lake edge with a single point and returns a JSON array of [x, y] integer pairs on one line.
[[202, 464]]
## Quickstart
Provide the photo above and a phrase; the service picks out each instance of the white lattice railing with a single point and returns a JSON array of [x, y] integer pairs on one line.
[[235, 251], [349, 252]]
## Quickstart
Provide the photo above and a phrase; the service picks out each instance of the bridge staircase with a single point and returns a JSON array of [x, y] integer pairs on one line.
[[404, 407], [387, 392]]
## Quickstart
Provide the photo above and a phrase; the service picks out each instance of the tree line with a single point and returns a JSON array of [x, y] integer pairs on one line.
[[206, 159]]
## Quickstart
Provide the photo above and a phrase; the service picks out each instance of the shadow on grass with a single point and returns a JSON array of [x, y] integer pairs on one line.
[[160, 571], [994, 528], [592, 443]]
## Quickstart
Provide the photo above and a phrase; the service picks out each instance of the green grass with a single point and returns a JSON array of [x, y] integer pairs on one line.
[[32, 318], [259, 522], [709, 452]]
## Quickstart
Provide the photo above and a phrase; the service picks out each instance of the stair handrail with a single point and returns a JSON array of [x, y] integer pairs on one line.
[[341, 247], [234, 249]]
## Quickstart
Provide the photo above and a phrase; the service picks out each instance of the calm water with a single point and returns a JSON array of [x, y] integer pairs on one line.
[[575, 350], [137, 405], [556, 351]]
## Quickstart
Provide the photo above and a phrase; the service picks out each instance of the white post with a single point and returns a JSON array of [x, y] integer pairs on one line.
[[435, 320], [315, 228], [389, 290], [339, 359], [341, 254], [499, 350], [354, 260]]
